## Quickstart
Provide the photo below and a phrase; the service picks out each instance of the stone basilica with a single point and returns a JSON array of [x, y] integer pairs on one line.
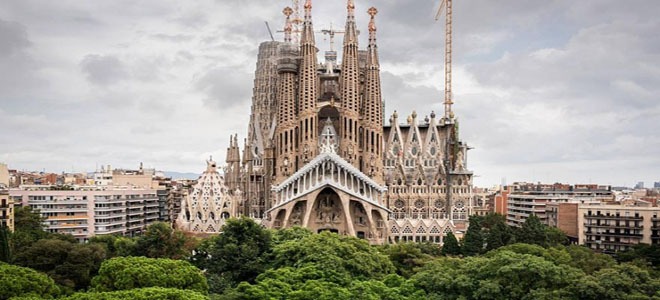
[[318, 153]]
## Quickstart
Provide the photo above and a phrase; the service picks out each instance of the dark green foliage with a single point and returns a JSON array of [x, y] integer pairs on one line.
[[643, 254], [341, 258], [28, 228], [5, 249], [125, 273], [161, 241], [451, 246], [71, 265], [19, 281], [406, 257], [473, 242], [505, 275], [587, 260], [497, 233], [140, 294], [531, 232], [240, 253], [289, 234]]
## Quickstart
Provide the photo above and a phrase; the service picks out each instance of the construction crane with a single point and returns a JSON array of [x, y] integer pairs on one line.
[[445, 6], [331, 34], [269, 32]]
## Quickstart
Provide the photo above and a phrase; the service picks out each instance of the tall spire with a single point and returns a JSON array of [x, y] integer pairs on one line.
[[351, 33], [373, 53], [373, 106], [287, 25], [308, 30], [349, 82], [307, 91]]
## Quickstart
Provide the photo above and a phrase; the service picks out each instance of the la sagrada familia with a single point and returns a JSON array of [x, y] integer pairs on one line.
[[318, 153]]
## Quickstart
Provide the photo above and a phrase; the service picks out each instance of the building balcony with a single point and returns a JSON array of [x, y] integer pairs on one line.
[[615, 234], [47, 210], [613, 226], [67, 226], [76, 217], [135, 212], [110, 231], [611, 217], [113, 208]]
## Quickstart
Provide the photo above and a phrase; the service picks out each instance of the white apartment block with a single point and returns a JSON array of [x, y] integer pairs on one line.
[[522, 204], [87, 211], [611, 228]]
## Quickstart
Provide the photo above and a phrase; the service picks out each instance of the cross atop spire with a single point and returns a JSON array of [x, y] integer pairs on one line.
[[350, 36], [372, 25], [287, 25], [307, 31]]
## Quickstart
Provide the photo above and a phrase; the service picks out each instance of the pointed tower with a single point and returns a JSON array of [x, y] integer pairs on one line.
[[350, 93], [233, 171], [373, 108], [285, 135], [307, 132]]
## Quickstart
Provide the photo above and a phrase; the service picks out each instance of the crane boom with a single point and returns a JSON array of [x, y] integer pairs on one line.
[[446, 6]]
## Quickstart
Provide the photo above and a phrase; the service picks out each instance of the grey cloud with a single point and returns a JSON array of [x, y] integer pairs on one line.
[[102, 69], [225, 87]]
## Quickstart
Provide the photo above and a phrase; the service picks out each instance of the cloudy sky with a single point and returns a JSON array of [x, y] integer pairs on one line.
[[546, 91]]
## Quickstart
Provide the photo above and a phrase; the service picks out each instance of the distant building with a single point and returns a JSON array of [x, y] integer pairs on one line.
[[6, 204], [86, 211], [611, 228], [656, 185], [639, 185], [528, 199]]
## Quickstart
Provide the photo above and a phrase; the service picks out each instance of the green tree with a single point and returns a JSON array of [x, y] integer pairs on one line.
[[141, 294], [5, 249], [337, 257], [289, 234], [125, 273], [532, 231], [643, 253], [497, 232], [501, 275], [451, 246], [161, 241], [473, 242], [587, 260], [70, 264], [240, 253], [18, 281], [28, 228], [406, 257]]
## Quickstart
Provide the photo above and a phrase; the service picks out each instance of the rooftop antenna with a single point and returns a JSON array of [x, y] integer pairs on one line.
[[269, 32]]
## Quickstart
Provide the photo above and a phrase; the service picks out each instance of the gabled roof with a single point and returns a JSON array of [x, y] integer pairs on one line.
[[328, 156], [335, 159]]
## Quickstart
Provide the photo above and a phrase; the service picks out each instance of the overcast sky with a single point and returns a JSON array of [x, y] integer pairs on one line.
[[547, 91]]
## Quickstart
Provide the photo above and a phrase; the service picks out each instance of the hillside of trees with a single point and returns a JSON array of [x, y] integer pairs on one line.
[[492, 261]]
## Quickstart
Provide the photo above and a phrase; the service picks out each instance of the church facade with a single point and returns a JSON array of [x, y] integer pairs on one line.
[[318, 153]]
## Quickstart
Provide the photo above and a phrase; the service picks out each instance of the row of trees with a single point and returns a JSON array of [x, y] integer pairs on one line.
[[247, 261]]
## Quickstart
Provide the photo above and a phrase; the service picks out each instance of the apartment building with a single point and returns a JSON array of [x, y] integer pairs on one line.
[[612, 228], [86, 211], [6, 204], [531, 199]]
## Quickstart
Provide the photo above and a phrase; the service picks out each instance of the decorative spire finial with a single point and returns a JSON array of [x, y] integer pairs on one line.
[[287, 25], [308, 9], [350, 6], [372, 25]]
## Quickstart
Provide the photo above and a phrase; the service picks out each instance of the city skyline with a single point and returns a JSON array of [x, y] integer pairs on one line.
[[557, 91]]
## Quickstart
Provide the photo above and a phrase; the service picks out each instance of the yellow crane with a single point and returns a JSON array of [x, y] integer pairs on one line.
[[445, 6]]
